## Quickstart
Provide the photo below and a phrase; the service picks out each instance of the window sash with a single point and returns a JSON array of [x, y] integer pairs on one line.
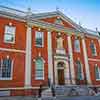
[[39, 39], [10, 29], [9, 36], [97, 72], [39, 73], [93, 49], [5, 69], [77, 45], [79, 70]]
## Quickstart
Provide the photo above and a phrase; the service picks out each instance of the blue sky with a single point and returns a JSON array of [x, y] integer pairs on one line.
[[87, 12]]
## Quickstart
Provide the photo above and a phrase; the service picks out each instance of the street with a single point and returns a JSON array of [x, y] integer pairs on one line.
[[51, 98]]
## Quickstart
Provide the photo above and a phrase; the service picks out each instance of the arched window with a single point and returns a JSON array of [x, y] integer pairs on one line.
[[39, 73], [77, 45], [79, 70], [97, 72], [93, 49], [5, 68]]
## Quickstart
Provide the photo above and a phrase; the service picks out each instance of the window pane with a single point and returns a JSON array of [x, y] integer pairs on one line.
[[77, 45], [39, 69], [6, 69], [97, 72], [9, 34], [39, 38], [10, 29], [79, 70], [93, 49], [9, 38]]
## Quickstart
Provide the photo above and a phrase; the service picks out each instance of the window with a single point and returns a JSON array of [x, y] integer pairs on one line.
[[93, 49], [97, 72], [77, 45], [39, 39], [59, 21], [39, 69], [5, 68], [9, 36], [79, 70]]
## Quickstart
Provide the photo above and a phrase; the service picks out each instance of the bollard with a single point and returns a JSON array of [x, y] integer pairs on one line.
[[53, 91], [40, 91]]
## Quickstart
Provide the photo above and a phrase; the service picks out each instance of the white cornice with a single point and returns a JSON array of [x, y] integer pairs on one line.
[[12, 50]]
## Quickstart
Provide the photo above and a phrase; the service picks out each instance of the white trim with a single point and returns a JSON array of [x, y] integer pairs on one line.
[[38, 78], [40, 46], [12, 50], [28, 57], [96, 66], [86, 62], [50, 60], [61, 57], [12, 42], [97, 79], [81, 69], [75, 45], [71, 59], [93, 59], [12, 63], [20, 88]]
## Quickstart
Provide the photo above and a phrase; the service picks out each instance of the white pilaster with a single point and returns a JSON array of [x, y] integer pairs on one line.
[[28, 58], [99, 42], [71, 60], [50, 62], [86, 61]]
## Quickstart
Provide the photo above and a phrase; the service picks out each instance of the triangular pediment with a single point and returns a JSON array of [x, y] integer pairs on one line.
[[58, 18]]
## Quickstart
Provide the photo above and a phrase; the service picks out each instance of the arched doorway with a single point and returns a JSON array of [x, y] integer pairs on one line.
[[60, 71]]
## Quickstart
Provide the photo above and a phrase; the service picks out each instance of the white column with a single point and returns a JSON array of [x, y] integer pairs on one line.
[[28, 58], [99, 41], [66, 73], [86, 61], [71, 60], [50, 62]]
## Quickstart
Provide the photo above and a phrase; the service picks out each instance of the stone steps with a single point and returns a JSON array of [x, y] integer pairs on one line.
[[69, 91]]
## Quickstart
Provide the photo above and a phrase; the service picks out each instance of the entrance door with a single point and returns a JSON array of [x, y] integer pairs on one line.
[[61, 80]]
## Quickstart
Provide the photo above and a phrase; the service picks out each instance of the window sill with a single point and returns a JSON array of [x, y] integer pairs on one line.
[[39, 79], [39, 46], [4, 79], [9, 42], [97, 79]]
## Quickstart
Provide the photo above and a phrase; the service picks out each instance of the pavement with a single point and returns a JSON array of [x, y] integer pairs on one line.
[[51, 98]]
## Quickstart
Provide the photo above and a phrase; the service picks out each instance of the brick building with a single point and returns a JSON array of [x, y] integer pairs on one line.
[[35, 48]]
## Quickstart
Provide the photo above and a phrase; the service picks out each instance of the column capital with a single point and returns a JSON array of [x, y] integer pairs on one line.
[[29, 25], [49, 30]]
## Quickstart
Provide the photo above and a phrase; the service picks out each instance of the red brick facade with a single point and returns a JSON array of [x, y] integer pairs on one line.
[[17, 52]]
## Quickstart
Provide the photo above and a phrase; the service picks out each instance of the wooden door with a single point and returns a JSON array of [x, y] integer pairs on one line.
[[61, 80]]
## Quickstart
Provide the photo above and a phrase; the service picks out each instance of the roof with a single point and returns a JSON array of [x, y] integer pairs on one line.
[[37, 16], [92, 32]]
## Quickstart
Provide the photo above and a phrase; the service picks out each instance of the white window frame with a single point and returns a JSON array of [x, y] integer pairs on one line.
[[42, 39], [94, 49], [5, 33], [75, 48], [99, 72], [81, 70], [2, 78], [37, 78]]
